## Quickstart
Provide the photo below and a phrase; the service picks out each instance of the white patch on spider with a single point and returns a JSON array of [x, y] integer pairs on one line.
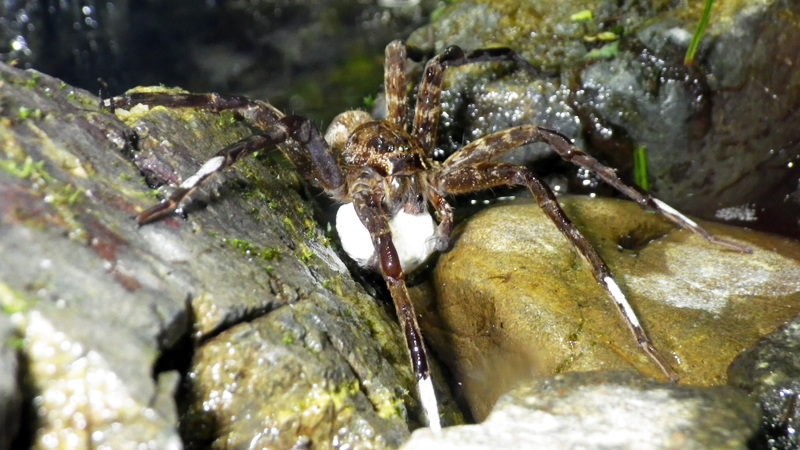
[[414, 237], [679, 36], [619, 297], [671, 210], [428, 399], [211, 166]]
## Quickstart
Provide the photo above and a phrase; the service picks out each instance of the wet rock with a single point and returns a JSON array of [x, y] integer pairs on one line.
[[110, 313], [708, 146], [10, 390], [82, 399], [770, 372], [605, 411], [514, 301], [91, 308], [282, 380]]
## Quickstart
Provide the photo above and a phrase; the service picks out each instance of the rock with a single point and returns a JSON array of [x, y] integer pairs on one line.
[[594, 411], [770, 372], [283, 380], [514, 301], [10, 390], [111, 313], [96, 295], [718, 137], [89, 299]]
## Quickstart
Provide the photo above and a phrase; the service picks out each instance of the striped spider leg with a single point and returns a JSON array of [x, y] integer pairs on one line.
[[296, 136]]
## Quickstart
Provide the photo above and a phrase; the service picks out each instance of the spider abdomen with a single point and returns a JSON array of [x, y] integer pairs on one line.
[[414, 237]]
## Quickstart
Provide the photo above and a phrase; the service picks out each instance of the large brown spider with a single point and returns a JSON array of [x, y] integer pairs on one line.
[[385, 177]]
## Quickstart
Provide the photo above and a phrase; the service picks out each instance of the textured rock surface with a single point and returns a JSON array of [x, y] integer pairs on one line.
[[770, 371], [87, 296], [514, 300], [282, 380], [593, 411], [10, 390]]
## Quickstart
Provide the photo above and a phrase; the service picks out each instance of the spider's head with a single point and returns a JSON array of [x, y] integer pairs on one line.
[[392, 154], [385, 148]]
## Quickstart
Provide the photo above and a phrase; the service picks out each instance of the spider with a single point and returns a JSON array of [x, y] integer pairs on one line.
[[383, 173]]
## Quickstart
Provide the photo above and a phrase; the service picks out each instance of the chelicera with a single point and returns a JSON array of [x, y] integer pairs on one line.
[[383, 173]]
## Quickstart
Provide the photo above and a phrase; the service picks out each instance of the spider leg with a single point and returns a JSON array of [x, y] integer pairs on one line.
[[428, 108], [304, 147], [394, 82], [224, 158], [367, 201], [470, 178], [493, 146], [296, 136], [260, 114], [445, 215]]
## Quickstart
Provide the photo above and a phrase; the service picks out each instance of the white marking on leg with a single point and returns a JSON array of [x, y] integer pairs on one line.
[[428, 399], [619, 297], [211, 166], [671, 210]]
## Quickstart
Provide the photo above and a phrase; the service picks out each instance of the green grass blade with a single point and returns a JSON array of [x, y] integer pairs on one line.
[[698, 33], [640, 168]]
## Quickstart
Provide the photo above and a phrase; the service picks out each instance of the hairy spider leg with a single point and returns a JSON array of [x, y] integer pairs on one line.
[[395, 84], [493, 146], [224, 158], [296, 137], [367, 199], [444, 213], [484, 175], [428, 108]]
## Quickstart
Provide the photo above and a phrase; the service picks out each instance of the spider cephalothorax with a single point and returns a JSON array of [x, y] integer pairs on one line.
[[383, 173]]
